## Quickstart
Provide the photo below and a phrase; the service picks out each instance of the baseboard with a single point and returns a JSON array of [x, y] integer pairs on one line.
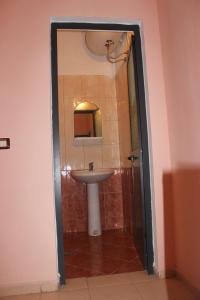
[[159, 274], [170, 273], [28, 288], [194, 290]]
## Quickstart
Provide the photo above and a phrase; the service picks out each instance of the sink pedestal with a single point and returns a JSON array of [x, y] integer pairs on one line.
[[94, 218], [92, 178]]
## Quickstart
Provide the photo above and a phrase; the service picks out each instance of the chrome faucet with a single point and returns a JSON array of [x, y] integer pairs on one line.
[[91, 166]]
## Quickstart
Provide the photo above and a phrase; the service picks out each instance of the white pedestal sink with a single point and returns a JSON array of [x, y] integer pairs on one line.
[[92, 178]]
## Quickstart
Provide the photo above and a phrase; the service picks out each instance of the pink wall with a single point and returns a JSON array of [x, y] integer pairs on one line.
[[27, 224], [179, 28]]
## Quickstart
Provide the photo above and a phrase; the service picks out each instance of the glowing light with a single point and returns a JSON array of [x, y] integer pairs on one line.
[[86, 106]]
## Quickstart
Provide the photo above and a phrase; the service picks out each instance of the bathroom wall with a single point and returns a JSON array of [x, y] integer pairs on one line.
[[123, 115], [121, 83], [111, 95], [94, 82], [124, 143], [100, 90], [27, 221]]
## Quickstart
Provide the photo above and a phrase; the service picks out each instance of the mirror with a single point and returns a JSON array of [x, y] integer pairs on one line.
[[87, 120]]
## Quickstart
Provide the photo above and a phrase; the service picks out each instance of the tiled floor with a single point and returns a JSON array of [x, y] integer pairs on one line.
[[127, 286], [111, 253]]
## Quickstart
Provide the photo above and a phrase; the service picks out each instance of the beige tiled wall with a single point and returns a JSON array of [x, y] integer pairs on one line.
[[99, 89], [123, 115]]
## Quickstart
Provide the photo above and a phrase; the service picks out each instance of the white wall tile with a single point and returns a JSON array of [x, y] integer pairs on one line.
[[110, 132], [93, 154], [101, 91], [76, 157], [110, 156], [109, 109]]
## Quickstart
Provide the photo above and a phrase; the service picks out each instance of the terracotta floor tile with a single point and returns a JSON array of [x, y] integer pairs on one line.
[[111, 253], [129, 267], [75, 272]]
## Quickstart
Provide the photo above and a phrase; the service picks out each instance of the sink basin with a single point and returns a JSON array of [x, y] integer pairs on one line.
[[92, 178], [95, 176]]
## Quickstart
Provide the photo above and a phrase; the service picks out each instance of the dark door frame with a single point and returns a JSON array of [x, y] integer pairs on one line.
[[140, 93]]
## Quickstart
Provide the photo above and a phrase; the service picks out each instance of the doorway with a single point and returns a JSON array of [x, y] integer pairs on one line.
[[140, 161]]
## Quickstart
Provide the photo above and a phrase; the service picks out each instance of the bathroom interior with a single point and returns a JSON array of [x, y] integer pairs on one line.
[[99, 153]]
